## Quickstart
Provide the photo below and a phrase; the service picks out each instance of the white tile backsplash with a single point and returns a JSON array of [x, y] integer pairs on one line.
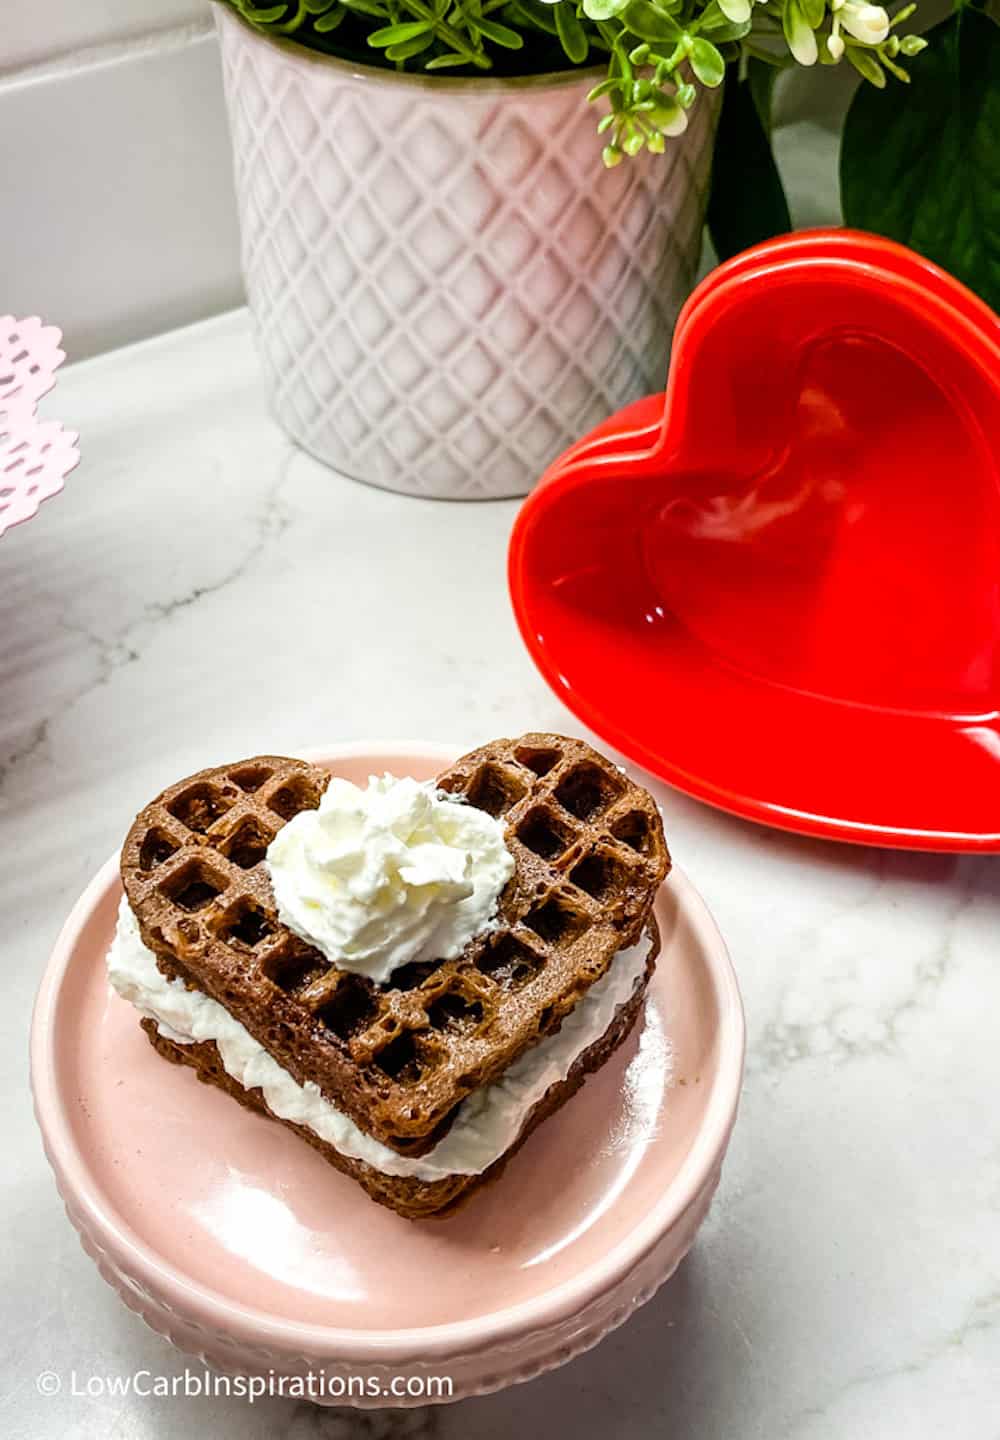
[[34, 34], [122, 191]]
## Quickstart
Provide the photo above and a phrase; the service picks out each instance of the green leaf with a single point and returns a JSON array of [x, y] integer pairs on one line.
[[499, 34], [648, 22], [368, 7], [445, 62], [799, 33], [761, 78], [603, 9], [667, 116], [736, 10], [923, 165], [813, 11], [406, 51], [263, 16], [533, 12], [747, 202], [707, 63], [572, 35], [330, 20], [398, 34], [719, 24], [722, 30], [867, 66]]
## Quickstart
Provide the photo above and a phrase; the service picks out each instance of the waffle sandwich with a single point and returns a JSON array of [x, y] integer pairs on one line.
[[421, 1087]]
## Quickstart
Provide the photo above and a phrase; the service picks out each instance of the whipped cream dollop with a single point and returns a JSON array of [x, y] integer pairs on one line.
[[397, 872], [488, 1122]]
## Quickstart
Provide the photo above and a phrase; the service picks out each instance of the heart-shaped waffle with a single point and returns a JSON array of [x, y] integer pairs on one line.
[[589, 858], [35, 455]]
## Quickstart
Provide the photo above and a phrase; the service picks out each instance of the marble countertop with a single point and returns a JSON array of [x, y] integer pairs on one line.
[[202, 590]]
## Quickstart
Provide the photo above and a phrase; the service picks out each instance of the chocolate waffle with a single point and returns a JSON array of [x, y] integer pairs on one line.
[[399, 1059], [412, 1198]]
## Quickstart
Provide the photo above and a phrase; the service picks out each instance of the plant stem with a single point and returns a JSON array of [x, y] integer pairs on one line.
[[445, 32]]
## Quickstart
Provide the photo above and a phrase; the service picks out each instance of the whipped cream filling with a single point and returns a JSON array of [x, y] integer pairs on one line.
[[488, 1122], [394, 873]]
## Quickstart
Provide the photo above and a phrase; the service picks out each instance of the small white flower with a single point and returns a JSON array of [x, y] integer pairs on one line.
[[835, 46], [865, 22]]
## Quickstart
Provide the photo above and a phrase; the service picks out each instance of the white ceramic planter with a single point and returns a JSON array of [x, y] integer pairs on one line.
[[448, 287]]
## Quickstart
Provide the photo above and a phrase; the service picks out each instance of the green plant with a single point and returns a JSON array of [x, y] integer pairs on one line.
[[658, 54], [927, 172]]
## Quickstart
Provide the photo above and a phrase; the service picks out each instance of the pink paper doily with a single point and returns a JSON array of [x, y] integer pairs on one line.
[[35, 455]]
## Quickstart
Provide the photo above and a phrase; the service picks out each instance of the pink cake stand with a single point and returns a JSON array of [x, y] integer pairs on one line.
[[35, 455], [243, 1247]]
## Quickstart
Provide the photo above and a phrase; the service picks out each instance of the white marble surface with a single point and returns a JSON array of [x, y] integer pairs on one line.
[[202, 590]]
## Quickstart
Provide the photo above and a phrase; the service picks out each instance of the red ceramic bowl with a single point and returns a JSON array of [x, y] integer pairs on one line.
[[240, 1244], [778, 586]]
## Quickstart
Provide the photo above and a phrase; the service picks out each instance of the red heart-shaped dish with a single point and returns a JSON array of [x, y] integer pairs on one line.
[[778, 586]]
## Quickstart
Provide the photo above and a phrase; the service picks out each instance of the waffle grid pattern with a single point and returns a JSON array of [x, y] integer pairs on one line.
[[589, 854], [447, 288]]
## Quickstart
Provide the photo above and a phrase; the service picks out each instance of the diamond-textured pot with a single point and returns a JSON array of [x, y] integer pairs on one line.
[[447, 286]]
